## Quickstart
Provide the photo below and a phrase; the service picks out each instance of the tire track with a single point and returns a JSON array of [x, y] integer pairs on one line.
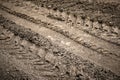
[[70, 35], [29, 56], [57, 13], [67, 58], [92, 57]]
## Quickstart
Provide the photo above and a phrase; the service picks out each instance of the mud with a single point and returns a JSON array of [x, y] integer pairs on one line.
[[67, 59], [105, 12], [29, 55]]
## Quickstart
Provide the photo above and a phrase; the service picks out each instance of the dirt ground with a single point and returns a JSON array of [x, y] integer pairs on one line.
[[108, 13], [36, 47]]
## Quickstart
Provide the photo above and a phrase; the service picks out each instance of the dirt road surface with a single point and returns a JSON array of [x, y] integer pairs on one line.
[[34, 46]]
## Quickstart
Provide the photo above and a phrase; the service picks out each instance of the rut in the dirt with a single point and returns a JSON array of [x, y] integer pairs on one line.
[[83, 69], [39, 55], [67, 33]]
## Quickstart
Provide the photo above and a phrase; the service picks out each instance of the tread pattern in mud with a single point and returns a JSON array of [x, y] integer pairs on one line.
[[66, 33], [58, 63], [86, 8], [76, 10], [115, 41]]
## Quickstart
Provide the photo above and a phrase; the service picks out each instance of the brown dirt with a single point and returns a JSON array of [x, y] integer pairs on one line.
[[108, 13], [35, 47]]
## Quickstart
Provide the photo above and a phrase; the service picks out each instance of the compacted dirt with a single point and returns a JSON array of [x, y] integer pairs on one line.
[[35, 45]]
